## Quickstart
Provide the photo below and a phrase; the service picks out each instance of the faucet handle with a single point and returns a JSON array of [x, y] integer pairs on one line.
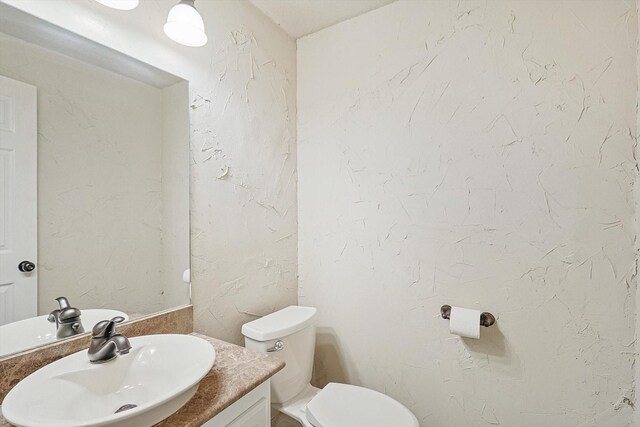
[[106, 328], [117, 319], [63, 302]]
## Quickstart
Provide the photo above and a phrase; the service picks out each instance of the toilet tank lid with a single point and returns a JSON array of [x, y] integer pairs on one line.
[[280, 324]]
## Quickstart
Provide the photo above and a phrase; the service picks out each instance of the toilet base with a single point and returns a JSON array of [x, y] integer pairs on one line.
[[295, 408]]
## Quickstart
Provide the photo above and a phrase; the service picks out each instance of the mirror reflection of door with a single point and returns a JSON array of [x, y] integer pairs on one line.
[[18, 201]]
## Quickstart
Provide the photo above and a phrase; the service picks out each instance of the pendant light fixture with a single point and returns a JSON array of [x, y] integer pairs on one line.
[[184, 25], [120, 4]]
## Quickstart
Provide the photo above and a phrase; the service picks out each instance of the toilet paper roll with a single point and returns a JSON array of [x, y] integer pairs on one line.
[[465, 322]]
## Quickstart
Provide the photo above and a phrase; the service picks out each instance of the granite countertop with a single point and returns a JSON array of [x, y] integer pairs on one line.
[[235, 373]]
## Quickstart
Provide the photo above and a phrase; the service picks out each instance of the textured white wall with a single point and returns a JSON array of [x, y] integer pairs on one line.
[[243, 93], [99, 181], [636, 190], [244, 205], [479, 154]]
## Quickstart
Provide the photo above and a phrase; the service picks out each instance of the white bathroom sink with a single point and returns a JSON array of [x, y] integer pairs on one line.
[[36, 331], [159, 375]]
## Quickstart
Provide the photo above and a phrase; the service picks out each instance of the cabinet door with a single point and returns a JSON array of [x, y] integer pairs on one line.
[[252, 410], [255, 416]]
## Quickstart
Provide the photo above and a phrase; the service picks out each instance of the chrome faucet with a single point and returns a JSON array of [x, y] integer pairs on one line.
[[106, 344], [66, 318]]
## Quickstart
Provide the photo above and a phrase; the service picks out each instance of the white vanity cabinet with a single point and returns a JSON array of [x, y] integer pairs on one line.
[[252, 410]]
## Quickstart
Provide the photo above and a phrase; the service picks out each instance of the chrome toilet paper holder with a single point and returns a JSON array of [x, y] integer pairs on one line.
[[486, 319]]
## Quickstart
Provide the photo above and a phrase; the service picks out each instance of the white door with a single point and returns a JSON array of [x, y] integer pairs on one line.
[[18, 201]]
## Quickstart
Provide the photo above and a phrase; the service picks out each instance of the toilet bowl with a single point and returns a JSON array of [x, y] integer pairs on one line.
[[290, 334]]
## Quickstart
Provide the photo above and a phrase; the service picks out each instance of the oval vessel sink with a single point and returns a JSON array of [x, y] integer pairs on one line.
[[36, 331], [158, 376]]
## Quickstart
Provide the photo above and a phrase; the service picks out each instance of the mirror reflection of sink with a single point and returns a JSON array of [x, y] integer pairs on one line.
[[36, 331], [141, 388]]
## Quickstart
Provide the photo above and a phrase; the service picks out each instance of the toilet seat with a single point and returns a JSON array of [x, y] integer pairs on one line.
[[343, 405]]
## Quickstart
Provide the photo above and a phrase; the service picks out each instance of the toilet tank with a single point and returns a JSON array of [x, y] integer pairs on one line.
[[295, 327]]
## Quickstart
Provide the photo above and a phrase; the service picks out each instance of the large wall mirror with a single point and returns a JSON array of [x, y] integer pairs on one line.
[[94, 185]]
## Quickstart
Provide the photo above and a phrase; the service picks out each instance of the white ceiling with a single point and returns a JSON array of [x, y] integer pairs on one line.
[[302, 17]]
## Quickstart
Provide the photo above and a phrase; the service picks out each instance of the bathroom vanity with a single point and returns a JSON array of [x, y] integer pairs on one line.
[[234, 393]]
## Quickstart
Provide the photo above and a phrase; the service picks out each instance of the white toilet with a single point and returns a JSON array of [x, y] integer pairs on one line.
[[290, 334]]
